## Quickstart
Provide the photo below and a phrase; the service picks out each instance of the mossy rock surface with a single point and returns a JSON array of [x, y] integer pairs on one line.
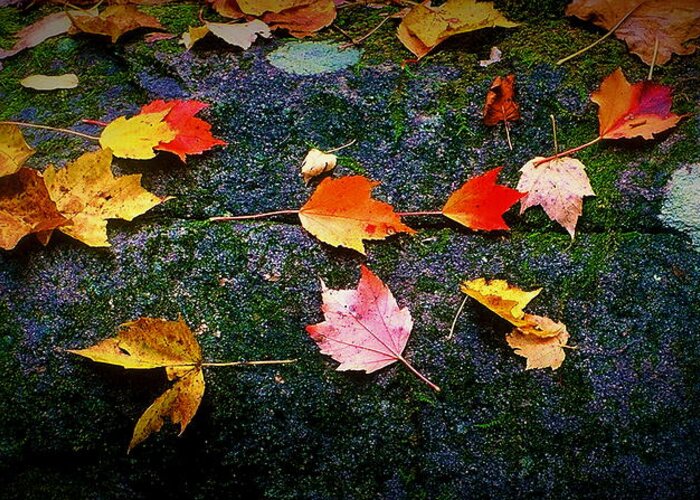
[[618, 419]]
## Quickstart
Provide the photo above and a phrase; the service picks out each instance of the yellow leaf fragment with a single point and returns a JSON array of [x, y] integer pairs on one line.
[[425, 26], [193, 35], [113, 22], [179, 404], [50, 82], [14, 150], [540, 352], [240, 34], [87, 193], [147, 343], [136, 137], [316, 163], [502, 298]]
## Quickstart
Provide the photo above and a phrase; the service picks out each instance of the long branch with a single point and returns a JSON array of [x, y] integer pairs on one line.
[[54, 129], [253, 216], [568, 151], [253, 363]]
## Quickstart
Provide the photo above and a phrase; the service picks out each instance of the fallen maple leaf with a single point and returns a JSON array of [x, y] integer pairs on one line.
[[154, 343], [480, 203], [639, 110], [157, 343], [316, 163], [43, 29], [364, 329], [237, 34], [537, 338], [25, 207], [14, 150], [193, 135], [558, 186], [53, 82], [500, 103], [193, 35], [540, 352], [87, 193], [300, 18], [341, 212], [424, 27], [113, 22], [669, 23], [136, 137]]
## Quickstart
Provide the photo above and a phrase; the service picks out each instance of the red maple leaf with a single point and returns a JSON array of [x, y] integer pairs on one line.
[[364, 329], [193, 134], [480, 203]]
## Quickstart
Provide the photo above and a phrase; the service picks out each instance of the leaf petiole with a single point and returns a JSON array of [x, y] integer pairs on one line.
[[253, 216], [53, 129], [253, 363], [568, 151]]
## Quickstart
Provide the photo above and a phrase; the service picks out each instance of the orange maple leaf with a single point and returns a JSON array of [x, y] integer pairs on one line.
[[480, 202], [639, 110], [341, 212]]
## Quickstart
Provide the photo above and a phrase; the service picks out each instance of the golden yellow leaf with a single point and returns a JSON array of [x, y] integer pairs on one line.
[[425, 26], [148, 343], [540, 352], [14, 150], [502, 298], [137, 136], [50, 82], [179, 403], [87, 193], [25, 207], [157, 343]]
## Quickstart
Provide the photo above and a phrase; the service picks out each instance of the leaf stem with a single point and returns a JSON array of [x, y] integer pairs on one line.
[[568, 151], [454, 321], [54, 129], [95, 122], [342, 147], [505, 125], [653, 58], [419, 374], [428, 212], [609, 33], [253, 216], [554, 134], [364, 37], [253, 363]]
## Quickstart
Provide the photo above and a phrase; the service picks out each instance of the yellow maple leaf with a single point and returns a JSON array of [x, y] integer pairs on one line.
[[537, 338], [540, 352], [155, 343], [502, 298], [87, 193], [425, 26], [14, 150], [136, 137], [158, 343]]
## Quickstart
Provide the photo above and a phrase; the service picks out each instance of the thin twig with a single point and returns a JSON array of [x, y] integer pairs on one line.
[[253, 363], [653, 58], [253, 216], [53, 129], [371, 32], [505, 125], [609, 33], [454, 321], [342, 147]]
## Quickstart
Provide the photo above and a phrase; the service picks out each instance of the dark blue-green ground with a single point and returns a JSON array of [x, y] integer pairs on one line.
[[619, 418]]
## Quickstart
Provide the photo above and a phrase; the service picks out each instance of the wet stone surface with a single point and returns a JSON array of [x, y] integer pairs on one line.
[[619, 418]]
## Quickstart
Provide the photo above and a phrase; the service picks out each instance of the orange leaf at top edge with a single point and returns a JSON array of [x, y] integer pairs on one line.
[[480, 203], [500, 101], [633, 110], [341, 212]]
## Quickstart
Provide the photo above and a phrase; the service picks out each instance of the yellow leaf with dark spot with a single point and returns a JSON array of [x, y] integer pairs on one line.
[[502, 298], [14, 150], [87, 193], [136, 137]]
